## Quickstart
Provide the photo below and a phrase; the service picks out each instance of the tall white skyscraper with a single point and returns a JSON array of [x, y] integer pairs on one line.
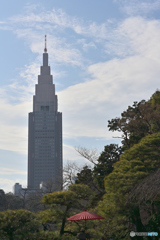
[[45, 132]]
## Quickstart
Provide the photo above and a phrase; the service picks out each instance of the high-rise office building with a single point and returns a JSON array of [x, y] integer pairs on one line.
[[45, 132]]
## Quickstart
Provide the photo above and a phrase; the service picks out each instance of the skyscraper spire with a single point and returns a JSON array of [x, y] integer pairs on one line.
[[45, 133], [45, 49]]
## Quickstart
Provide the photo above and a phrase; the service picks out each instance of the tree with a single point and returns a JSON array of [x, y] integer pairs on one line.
[[2, 200], [94, 178], [76, 198], [12, 202], [18, 224], [155, 98], [137, 121], [134, 165], [49, 186], [69, 173], [33, 201], [89, 154], [85, 176], [104, 166]]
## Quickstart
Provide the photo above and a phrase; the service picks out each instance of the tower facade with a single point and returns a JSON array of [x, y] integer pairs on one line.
[[45, 133]]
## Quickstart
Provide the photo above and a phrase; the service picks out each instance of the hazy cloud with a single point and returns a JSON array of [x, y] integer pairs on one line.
[[9, 171], [131, 73], [139, 7], [104, 94]]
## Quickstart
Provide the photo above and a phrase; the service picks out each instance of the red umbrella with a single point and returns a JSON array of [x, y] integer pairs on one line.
[[84, 216]]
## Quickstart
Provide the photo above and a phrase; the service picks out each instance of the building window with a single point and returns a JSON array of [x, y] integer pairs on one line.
[[44, 108]]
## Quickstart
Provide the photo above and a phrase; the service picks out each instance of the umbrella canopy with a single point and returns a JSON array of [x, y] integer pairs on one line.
[[84, 216]]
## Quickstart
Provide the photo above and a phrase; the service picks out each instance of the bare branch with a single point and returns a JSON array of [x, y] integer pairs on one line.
[[70, 171], [90, 154]]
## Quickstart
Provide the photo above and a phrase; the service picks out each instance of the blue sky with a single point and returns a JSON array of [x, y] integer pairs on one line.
[[103, 56]]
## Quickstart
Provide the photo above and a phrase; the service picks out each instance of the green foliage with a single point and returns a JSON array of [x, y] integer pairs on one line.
[[50, 215], [104, 166], [12, 202], [67, 236], [18, 224], [155, 98], [63, 198], [137, 121], [2, 200], [62, 202], [44, 235], [85, 177], [69, 198], [108, 157], [134, 165], [81, 191]]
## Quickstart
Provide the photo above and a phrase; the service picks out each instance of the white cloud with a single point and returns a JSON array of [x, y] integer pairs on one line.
[[7, 184], [116, 82], [9, 171], [60, 51], [57, 17], [110, 86], [14, 121], [107, 91], [128, 39], [72, 155], [85, 45], [58, 20], [139, 7]]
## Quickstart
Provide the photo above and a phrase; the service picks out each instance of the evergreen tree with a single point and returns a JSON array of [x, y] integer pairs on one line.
[[75, 198], [134, 165]]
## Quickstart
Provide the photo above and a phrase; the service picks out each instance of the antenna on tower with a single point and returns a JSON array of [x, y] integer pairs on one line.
[[45, 49]]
